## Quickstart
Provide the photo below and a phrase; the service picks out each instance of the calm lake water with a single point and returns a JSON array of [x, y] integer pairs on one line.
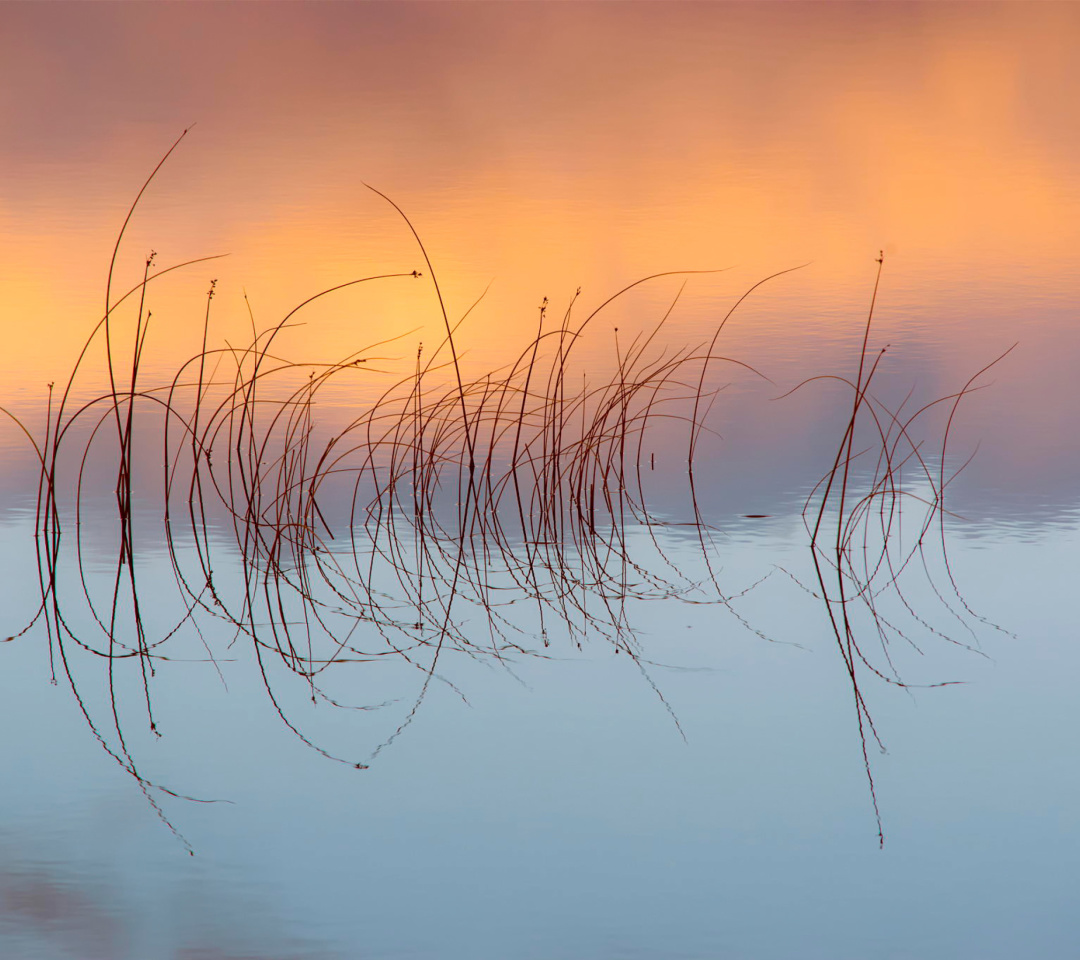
[[705, 798]]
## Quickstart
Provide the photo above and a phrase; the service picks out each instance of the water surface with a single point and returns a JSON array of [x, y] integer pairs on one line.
[[537, 149]]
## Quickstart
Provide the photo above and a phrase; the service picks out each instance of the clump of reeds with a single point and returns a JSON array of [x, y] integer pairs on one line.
[[862, 537], [424, 524]]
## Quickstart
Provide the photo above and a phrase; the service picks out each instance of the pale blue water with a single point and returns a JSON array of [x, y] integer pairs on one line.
[[560, 814]]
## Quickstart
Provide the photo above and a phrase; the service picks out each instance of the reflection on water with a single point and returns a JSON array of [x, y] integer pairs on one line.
[[544, 524], [563, 816], [91, 911]]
